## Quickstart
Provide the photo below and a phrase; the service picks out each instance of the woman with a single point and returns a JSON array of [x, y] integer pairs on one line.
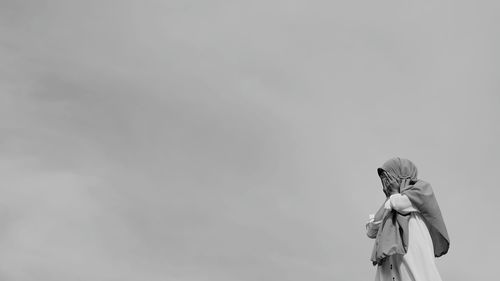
[[408, 229]]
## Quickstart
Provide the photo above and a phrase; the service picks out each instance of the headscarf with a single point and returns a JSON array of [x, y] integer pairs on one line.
[[392, 236], [400, 169]]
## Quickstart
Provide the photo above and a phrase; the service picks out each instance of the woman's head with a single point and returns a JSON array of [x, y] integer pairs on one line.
[[399, 168]]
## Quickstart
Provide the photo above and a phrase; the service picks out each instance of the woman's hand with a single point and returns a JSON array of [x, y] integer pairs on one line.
[[391, 185]]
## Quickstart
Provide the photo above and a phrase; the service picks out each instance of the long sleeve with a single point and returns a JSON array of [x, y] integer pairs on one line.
[[373, 224], [372, 228], [400, 203]]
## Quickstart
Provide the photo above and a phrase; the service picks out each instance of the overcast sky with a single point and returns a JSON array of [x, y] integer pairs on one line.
[[239, 140]]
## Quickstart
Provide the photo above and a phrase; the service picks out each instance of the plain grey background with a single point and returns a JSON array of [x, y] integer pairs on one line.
[[239, 140]]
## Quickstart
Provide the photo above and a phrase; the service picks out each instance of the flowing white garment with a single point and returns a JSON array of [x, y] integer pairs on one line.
[[418, 264]]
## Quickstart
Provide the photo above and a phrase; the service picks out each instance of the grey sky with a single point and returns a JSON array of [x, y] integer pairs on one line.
[[239, 140]]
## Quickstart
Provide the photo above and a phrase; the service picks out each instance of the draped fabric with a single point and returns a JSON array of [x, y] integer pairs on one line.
[[418, 264], [422, 197]]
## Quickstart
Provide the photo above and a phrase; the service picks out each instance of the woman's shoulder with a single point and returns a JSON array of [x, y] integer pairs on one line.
[[422, 184], [419, 187]]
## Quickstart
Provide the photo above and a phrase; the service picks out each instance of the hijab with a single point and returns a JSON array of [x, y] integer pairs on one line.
[[399, 168], [392, 236]]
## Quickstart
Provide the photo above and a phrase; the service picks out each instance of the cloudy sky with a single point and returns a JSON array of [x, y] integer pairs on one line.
[[239, 140]]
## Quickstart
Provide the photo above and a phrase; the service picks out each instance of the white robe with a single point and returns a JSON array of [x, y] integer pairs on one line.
[[418, 264]]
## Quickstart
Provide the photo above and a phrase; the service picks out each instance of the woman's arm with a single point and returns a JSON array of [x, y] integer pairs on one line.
[[373, 225], [400, 202], [372, 228]]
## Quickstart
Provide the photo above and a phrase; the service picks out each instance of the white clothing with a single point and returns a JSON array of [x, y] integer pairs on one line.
[[418, 264]]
